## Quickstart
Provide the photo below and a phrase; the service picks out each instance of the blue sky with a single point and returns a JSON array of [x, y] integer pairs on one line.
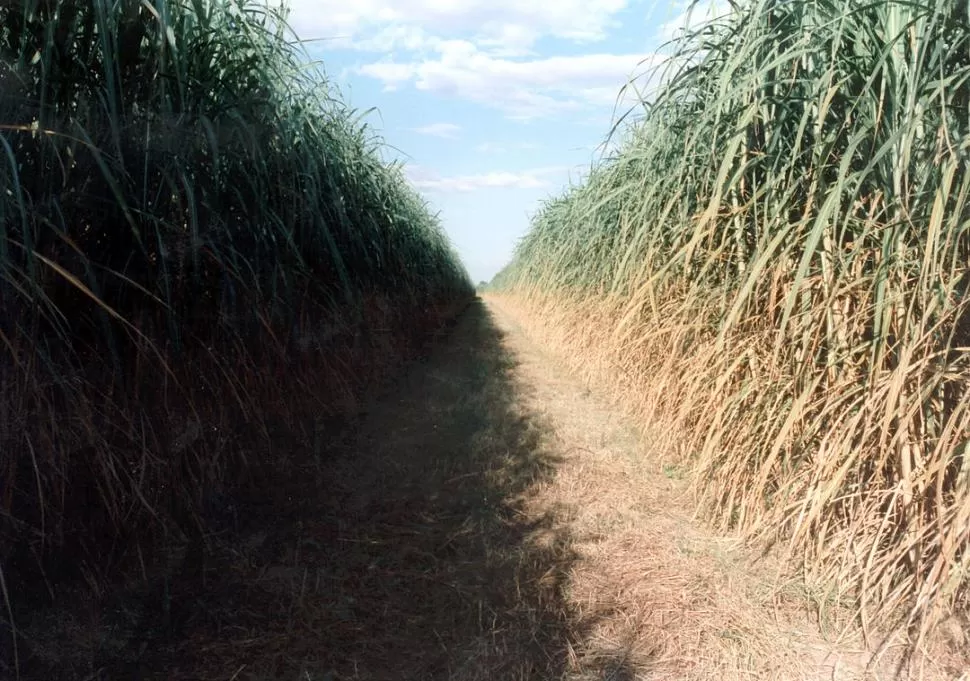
[[495, 105]]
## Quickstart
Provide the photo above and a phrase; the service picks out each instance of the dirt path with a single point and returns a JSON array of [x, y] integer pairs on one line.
[[488, 518], [408, 554]]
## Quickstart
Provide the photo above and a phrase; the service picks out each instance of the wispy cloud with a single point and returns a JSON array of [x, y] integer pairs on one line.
[[483, 51], [429, 180], [444, 130], [504, 148], [691, 14], [510, 26], [523, 89]]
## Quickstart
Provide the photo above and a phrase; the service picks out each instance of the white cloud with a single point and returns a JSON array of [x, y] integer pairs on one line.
[[692, 15], [406, 37], [428, 180], [482, 51], [497, 148], [467, 183], [521, 88], [392, 75], [510, 40], [445, 130], [511, 25]]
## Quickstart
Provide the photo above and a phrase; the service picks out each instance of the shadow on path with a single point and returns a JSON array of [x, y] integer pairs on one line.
[[406, 554]]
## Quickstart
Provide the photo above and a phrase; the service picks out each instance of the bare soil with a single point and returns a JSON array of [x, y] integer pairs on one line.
[[487, 516]]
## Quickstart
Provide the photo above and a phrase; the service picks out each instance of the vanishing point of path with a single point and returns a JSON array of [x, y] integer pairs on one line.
[[485, 518]]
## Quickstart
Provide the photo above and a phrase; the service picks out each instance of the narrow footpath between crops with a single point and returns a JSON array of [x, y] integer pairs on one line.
[[486, 518]]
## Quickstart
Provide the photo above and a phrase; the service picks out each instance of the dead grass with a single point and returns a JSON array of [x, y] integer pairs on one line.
[[485, 516], [150, 484], [398, 549], [682, 600]]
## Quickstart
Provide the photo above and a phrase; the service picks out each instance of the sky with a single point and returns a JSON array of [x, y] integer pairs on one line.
[[493, 105]]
